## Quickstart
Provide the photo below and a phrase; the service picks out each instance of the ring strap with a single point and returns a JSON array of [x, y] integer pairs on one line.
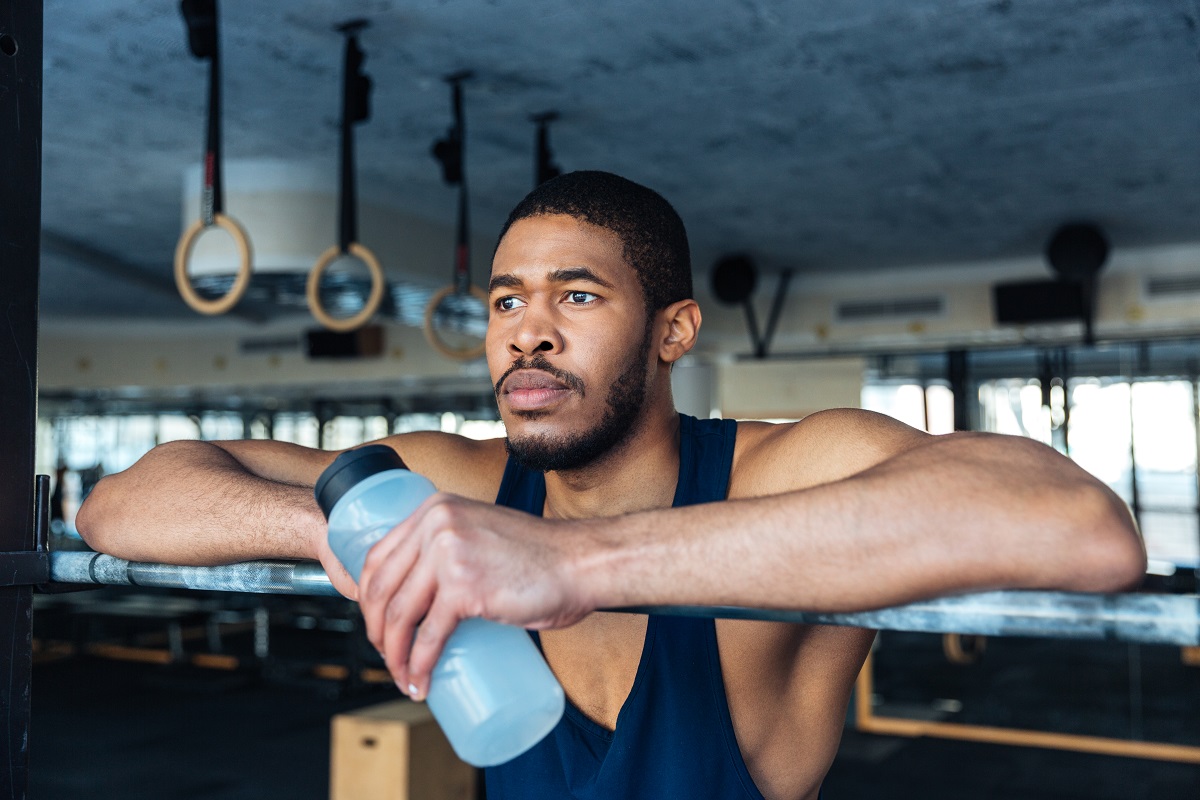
[[462, 249], [356, 108], [201, 17]]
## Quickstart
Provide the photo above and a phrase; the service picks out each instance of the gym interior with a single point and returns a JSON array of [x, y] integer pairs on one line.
[[969, 215]]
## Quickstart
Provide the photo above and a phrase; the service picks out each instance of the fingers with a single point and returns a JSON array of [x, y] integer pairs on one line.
[[403, 612], [431, 639], [386, 570]]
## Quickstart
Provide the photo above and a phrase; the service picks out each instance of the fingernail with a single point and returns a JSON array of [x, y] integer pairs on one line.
[[413, 692]]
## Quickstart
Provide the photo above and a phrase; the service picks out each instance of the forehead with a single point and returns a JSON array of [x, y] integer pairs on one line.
[[551, 242]]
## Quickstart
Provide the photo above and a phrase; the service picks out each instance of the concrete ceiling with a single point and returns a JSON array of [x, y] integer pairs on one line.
[[820, 136]]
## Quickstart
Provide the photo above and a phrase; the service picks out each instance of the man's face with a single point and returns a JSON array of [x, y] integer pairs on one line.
[[567, 343]]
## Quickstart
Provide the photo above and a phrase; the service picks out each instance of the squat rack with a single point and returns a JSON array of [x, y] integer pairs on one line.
[[21, 565]]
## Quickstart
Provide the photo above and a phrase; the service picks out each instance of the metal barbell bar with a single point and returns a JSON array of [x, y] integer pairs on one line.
[[1146, 618]]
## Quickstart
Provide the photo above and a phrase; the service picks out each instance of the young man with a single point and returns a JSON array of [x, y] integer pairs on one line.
[[590, 306]]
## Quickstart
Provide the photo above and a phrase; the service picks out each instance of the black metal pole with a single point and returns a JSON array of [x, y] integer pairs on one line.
[[20, 227], [958, 375]]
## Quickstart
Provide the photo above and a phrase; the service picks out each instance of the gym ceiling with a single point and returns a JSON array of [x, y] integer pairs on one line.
[[816, 136]]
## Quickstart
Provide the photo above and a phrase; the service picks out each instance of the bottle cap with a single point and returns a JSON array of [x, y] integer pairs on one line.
[[351, 467]]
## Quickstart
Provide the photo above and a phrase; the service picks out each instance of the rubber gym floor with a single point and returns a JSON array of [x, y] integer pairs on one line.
[[113, 729]]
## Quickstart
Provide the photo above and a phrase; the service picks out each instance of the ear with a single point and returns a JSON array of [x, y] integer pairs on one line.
[[682, 321]]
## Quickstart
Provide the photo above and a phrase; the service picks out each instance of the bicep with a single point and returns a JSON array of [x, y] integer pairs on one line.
[[453, 463], [822, 448], [282, 462]]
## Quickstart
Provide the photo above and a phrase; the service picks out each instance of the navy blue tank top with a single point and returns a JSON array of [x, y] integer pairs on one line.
[[674, 737]]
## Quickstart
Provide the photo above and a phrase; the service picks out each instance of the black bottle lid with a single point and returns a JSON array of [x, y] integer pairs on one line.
[[351, 467]]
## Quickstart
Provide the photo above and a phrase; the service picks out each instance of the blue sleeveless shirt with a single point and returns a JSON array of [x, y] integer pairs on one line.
[[674, 737]]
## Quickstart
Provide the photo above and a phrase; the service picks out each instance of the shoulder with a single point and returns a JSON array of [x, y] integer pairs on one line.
[[827, 446], [468, 467]]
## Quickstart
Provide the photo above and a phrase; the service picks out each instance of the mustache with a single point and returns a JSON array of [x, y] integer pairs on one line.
[[539, 362]]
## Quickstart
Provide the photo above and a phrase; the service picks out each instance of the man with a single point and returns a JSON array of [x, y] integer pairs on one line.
[[591, 305]]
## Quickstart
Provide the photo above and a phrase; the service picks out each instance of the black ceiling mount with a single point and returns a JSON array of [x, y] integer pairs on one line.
[[200, 16], [544, 167], [449, 150], [734, 278], [1077, 252]]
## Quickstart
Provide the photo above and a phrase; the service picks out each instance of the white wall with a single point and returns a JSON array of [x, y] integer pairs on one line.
[[205, 352]]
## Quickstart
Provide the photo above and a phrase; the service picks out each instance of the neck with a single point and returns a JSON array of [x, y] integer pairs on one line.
[[638, 475]]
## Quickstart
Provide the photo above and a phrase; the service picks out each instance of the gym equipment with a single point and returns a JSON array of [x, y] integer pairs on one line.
[[1077, 252], [201, 16], [1146, 618], [733, 280], [544, 167], [20, 226], [491, 690], [450, 151], [356, 108]]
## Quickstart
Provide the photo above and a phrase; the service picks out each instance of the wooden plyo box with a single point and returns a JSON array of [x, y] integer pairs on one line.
[[395, 751]]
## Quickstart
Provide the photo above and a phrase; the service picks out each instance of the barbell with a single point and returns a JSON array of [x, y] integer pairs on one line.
[[1172, 619]]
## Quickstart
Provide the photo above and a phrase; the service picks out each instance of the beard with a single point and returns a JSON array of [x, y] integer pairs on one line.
[[626, 396]]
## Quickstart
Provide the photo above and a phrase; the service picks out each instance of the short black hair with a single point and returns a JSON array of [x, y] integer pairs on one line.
[[655, 241]]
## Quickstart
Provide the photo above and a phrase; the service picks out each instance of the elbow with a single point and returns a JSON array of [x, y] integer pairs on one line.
[[95, 520], [1113, 554]]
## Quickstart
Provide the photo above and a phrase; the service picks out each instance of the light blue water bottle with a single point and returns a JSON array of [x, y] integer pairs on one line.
[[491, 690]]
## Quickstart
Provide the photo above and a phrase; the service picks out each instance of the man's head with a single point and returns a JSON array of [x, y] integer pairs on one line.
[[590, 305], [654, 241]]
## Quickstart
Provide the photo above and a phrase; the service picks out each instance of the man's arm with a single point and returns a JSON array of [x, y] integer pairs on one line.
[[203, 503], [206, 503], [886, 515]]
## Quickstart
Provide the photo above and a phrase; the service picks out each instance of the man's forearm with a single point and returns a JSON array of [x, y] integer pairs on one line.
[[194, 503], [952, 516]]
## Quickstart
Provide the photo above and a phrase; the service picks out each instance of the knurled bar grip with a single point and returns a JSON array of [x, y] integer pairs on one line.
[[1172, 619], [183, 256], [374, 298], [258, 577]]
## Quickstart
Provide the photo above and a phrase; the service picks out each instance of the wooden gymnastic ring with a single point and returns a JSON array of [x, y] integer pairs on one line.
[[374, 298], [183, 255], [963, 649], [435, 341]]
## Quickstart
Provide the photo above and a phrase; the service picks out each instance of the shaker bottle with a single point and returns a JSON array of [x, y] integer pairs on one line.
[[491, 691]]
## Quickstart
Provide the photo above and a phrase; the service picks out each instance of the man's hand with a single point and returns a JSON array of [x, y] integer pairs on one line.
[[455, 558], [338, 575]]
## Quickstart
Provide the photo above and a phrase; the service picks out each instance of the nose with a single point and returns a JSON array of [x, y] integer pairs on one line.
[[535, 332]]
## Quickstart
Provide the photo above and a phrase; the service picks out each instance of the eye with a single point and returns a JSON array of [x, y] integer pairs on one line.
[[581, 298], [509, 303]]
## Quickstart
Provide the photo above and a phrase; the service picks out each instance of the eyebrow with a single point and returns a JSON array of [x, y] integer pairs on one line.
[[578, 274], [503, 282], [507, 281]]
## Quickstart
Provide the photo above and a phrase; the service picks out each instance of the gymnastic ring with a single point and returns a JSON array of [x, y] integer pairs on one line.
[[435, 341], [374, 298], [183, 255], [963, 649]]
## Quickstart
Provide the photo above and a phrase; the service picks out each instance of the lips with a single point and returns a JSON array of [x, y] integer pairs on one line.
[[532, 379], [529, 390]]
